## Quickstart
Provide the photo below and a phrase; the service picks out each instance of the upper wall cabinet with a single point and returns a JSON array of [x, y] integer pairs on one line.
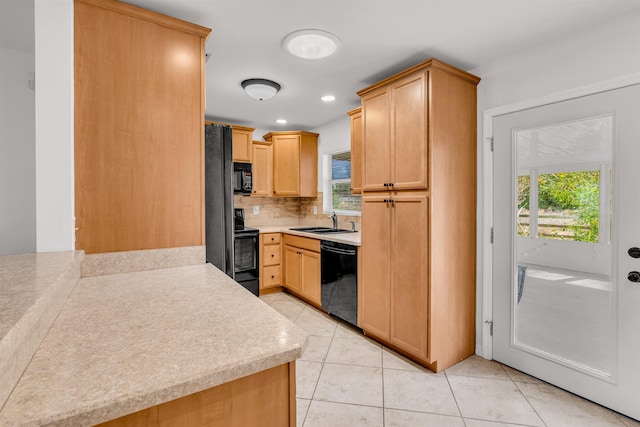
[[355, 117], [262, 169], [395, 134], [139, 116], [295, 163], [242, 143]]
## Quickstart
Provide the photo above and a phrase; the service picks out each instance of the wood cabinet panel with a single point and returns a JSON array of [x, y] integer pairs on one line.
[[138, 150], [242, 143], [376, 141], [418, 235], [270, 260], [271, 276], [262, 169], [271, 255], [409, 133], [375, 250], [310, 286], [409, 283], [292, 268], [302, 267], [286, 165], [266, 398], [356, 150], [270, 238], [295, 163]]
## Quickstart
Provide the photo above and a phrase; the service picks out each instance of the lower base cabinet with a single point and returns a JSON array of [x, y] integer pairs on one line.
[[267, 398], [270, 261], [301, 269], [394, 271]]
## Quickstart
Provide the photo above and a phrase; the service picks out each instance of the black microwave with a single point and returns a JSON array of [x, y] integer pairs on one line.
[[242, 178]]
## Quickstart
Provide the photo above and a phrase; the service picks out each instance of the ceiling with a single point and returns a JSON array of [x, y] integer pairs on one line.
[[378, 38]]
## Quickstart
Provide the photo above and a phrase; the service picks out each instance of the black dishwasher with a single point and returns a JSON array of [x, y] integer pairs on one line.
[[339, 278]]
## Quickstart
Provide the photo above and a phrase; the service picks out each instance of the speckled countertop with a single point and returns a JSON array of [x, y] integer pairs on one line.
[[125, 342], [348, 238]]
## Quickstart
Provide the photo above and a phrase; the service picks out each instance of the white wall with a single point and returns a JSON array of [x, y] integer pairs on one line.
[[600, 53], [334, 136], [54, 125], [17, 153]]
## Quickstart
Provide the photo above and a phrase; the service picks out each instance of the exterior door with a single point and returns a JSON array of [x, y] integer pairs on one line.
[[566, 303]]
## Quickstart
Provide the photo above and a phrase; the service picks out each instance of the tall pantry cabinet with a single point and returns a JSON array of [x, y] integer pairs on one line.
[[419, 213], [139, 116]]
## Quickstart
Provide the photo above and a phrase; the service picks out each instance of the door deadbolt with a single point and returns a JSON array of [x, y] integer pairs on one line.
[[634, 276], [634, 252]]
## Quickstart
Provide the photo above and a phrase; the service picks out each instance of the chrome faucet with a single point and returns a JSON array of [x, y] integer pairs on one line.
[[334, 218]]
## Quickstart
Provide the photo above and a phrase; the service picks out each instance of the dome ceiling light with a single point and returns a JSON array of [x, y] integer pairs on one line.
[[260, 89], [311, 44]]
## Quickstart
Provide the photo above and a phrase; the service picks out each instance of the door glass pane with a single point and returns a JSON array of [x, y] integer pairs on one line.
[[562, 293], [569, 205]]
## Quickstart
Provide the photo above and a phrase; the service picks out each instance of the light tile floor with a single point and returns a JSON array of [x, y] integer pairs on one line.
[[346, 379]]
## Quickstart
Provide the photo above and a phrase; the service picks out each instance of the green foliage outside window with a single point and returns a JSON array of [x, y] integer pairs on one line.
[[575, 193]]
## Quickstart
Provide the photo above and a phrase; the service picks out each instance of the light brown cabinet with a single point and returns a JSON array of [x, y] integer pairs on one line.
[[355, 118], [393, 253], [395, 135], [262, 169], [418, 213], [302, 268], [138, 175], [295, 163], [270, 260], [242, 142]]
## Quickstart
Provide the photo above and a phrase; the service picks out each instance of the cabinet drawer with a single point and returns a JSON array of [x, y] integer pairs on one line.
[[271, 238], [302, 242], [271, 255], [271, 276]]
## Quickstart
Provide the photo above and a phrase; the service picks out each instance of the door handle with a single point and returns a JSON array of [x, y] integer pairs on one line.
[[634, 276], [634, 252]]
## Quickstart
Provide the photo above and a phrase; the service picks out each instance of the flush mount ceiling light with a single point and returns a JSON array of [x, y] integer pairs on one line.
[[311, 44], [260, 89], [328, 98], [281, 121]]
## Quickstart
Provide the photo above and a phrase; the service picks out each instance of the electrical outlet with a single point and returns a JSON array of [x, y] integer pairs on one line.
[[256, 210], [315, 210]]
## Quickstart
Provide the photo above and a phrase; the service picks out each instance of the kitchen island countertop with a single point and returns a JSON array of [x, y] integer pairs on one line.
[[129, 341]]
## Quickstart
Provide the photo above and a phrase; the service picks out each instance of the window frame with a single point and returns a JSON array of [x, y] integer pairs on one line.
[[328, 181]]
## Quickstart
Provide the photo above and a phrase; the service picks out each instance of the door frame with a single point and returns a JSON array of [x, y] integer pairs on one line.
[[485, 349]]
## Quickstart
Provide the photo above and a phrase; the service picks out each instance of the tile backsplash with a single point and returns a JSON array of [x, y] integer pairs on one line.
[[288, 211]]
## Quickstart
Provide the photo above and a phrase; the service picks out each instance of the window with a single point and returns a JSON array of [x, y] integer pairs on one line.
[[337, 185], [564, 181]]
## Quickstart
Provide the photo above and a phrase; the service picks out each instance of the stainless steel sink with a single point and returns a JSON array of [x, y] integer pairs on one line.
[[321, 230]]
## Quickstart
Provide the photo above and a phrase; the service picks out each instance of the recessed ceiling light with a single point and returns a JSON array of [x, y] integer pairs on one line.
[[281, 121], [328, 98], [311, 44]]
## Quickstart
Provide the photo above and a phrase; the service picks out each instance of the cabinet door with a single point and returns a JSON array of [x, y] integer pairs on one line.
[[376, 141], [262, 169], [376, 262], [409, 269], [310, 286], [242, 144], [292, 268], [356, 151], [409, 133], [286, 165]]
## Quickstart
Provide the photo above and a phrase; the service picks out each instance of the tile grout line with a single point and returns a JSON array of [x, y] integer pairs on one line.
[[527, 399], [454, 397]]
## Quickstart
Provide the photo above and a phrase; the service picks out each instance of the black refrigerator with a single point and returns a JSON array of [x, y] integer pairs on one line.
[[218, 172]]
